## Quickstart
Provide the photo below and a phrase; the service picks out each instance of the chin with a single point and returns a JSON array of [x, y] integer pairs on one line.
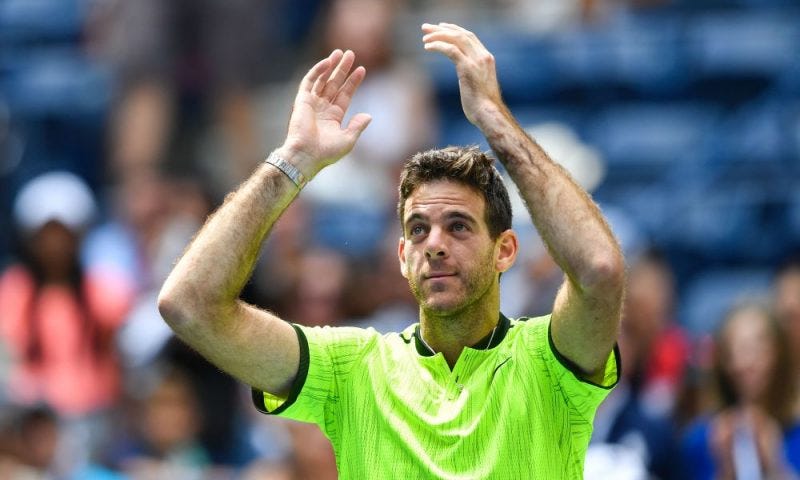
[[444, 306]]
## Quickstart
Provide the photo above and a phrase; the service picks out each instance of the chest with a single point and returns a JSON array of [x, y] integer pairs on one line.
[[481, 393], [486, 413]]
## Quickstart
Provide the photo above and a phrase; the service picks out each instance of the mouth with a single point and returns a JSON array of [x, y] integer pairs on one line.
[[433, 276]]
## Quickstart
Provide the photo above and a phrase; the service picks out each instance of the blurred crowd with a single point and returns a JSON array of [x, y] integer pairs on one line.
[[94, 386]]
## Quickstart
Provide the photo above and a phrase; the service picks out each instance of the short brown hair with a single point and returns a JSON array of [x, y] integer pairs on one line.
[[466, 165]]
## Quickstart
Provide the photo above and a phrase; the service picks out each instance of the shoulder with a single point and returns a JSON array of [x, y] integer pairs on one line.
[[529, 329], [345, 341], [16, 285], [15, 273]]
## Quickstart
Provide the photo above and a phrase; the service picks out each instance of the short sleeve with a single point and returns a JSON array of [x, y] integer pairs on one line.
[[583, 395], [327, 355]]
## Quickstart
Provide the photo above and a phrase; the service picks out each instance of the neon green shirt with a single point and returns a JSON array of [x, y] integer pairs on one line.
[[512, 410]]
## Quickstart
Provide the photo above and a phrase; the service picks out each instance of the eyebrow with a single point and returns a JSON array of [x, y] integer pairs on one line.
[[456, 214], [460, 215]]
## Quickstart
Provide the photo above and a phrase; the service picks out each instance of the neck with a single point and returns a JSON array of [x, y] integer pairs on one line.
[[450, 332]]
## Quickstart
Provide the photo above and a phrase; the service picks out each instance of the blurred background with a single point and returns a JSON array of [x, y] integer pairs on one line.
[[123, 125]]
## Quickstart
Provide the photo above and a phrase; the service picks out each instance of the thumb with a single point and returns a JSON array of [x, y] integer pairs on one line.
[[358, 124]]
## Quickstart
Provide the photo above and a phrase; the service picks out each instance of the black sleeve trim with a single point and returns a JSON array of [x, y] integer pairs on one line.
[[579, 373], [297, 385]]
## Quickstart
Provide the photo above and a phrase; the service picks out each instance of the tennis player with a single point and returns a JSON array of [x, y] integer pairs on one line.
[[466, 392]]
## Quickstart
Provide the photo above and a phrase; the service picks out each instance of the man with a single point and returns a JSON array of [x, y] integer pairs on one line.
[[467, 393]]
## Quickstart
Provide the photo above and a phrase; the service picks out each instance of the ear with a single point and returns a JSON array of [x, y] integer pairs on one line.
[[401, 255], [505, 250]]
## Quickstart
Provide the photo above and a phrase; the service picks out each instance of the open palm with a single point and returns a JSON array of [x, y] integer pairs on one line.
[[315, 126]]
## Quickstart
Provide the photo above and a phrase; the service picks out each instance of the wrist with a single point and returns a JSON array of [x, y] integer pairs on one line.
[[289, 170], [302, 161], [491, 117]]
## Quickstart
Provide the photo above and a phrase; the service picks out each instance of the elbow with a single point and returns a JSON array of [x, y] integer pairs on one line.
[[605, 275], [177, 308], [184, 308], [172, 310]]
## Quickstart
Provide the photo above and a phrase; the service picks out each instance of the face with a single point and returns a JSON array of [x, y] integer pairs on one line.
[[446, 253], [648, 301], [55, 248], [751, 354], [170, 416]]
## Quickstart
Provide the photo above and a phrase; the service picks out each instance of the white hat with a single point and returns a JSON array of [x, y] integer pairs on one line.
[[59, 196]]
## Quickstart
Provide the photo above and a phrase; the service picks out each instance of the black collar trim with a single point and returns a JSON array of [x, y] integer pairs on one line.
[[503, 324]]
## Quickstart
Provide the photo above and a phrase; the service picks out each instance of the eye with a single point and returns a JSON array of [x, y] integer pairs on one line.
[[416, 230], [459, 227]]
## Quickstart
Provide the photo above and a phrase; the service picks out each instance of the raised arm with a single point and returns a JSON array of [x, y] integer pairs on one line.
[[586, 313], [200, 299]]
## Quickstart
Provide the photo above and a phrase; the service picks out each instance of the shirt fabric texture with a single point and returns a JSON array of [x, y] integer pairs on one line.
[[514, 408]]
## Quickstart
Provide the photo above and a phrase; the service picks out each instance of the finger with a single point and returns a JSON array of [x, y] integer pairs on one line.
[[466, 40], [349, 88], [453, 26], [469, 34], [449, 50], [321, 80], [447, 36], [316, 71], [339, 74], [429, 27], [358, 124]]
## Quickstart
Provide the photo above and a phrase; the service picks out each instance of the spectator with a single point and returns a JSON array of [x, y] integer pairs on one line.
[[175, 60], [31, 448], [319, 290], [152, 218], [659, 349], [165, 444], [59, 321], [629, 440], [755, 434]]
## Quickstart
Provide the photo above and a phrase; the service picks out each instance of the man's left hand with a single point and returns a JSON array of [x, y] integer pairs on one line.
[[477, 77]]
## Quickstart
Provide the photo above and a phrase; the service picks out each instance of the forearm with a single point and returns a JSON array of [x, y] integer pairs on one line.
[[567, 219], [219, 261], [200, 299]]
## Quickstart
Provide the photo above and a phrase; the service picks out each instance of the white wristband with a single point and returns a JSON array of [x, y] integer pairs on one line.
[[288, 169]]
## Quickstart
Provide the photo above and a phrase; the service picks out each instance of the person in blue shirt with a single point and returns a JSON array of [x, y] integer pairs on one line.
[[756, 433]]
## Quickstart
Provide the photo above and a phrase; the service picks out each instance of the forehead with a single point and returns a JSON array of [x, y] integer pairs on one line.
[[746, 327], [442, 196]]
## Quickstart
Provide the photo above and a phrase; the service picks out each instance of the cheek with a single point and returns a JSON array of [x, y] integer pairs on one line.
[[763, 366]]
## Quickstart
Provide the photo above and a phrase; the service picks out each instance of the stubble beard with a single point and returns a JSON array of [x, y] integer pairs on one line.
[[472, 287]]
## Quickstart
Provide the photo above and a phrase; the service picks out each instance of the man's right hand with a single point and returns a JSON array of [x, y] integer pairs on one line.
[[315, 137]]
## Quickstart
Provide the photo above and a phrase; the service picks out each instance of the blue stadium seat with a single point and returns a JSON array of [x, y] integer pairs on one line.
[[585, 57], [708, 296], [56, 81], [355, 232], [37, 21], [757, 133], [651, 135], [735, 55], [647, 54]]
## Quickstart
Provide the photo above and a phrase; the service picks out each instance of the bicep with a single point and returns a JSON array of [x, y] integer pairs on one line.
[[585, 325], [253, 345]]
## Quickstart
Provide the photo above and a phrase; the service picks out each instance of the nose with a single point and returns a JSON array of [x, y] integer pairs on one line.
[[435, 246]]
